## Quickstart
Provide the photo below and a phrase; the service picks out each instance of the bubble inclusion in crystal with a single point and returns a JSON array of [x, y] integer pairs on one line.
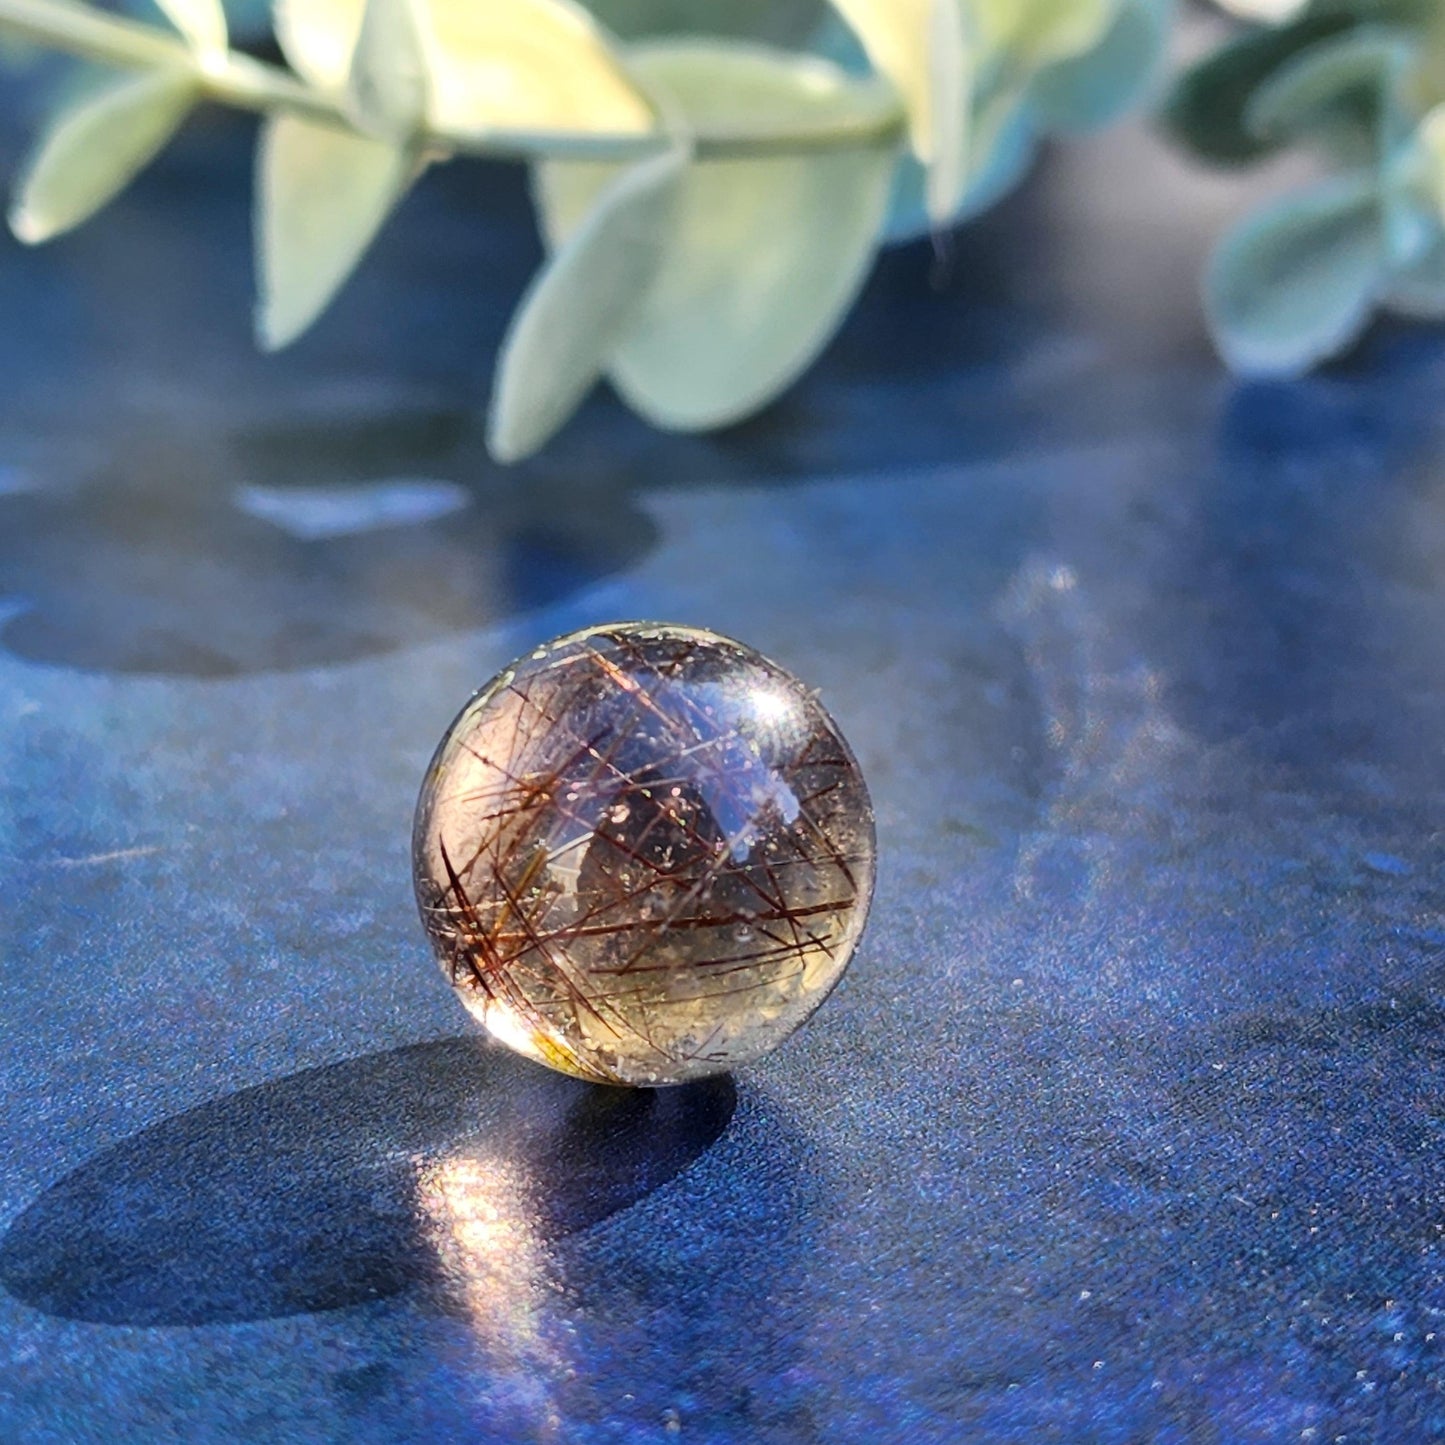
[[644, 854]]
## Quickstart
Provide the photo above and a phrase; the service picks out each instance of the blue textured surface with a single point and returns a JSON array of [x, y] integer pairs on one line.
[[1127, 1121]]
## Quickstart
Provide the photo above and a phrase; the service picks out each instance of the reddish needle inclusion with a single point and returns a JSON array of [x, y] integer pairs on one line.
[[643, 854]]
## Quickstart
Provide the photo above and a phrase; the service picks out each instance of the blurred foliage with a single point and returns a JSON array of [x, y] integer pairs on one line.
[[1363, 85], [713, 177], [767, 22]]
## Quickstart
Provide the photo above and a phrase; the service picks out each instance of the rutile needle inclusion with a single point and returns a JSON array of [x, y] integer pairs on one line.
[[644, 854]]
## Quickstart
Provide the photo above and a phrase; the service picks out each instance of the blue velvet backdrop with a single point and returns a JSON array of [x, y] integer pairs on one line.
[[1127, 1122]]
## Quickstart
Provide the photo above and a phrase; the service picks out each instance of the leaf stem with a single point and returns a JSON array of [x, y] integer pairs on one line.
[[246, 83]]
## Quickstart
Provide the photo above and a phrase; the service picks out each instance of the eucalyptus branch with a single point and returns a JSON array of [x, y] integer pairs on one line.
[[245, 83], [700, 290], [1298, 279]]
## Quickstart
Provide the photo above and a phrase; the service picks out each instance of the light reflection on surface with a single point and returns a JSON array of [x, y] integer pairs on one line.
[[475, 1212], [1111, 734]]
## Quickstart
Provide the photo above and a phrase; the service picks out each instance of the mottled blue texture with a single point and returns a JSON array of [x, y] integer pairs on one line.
[[1126, 1123]]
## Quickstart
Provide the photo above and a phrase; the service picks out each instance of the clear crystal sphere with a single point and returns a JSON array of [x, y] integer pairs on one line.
[[643, 854]]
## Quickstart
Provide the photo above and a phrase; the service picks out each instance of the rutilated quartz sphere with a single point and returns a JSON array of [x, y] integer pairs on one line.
[[644, 854]]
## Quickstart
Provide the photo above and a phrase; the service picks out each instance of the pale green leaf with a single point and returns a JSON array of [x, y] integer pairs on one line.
[[1267, 12], [578, 308], [1410, 225], [321, 196], [1365, 62], [1417, 289], [1411, 209], [1009, 148], [765, 254], [1006, 99], [1005, 138], [951, 58], [387, 85], [770, 22], [1094, 88], [490, 64], [318, 38], [1430, 149], [1205, 108], [919, 45], [203, 24], [528, 65], [1004, 143], [1413, 198], [1036, 33], [1296, 282], [95, 147]]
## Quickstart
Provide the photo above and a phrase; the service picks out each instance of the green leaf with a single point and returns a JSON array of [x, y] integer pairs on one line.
[[1296, 282], [321, 196], [950, 79], [526, 65], [577, 309], [1015, 102], [387, 84], [1266, 12], [1005, 143], [1429, 157], [203, 24], [1417, 289], [1360, 68], [1205, 112], [919, 46], [765, 254], [770, 22], [318, 37], [1036, 33], [1412, 198], [95, 148], [1093, 89]]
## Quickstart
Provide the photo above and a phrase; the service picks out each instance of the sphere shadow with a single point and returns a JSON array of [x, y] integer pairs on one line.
[[711, 1295], [302, 1194]]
